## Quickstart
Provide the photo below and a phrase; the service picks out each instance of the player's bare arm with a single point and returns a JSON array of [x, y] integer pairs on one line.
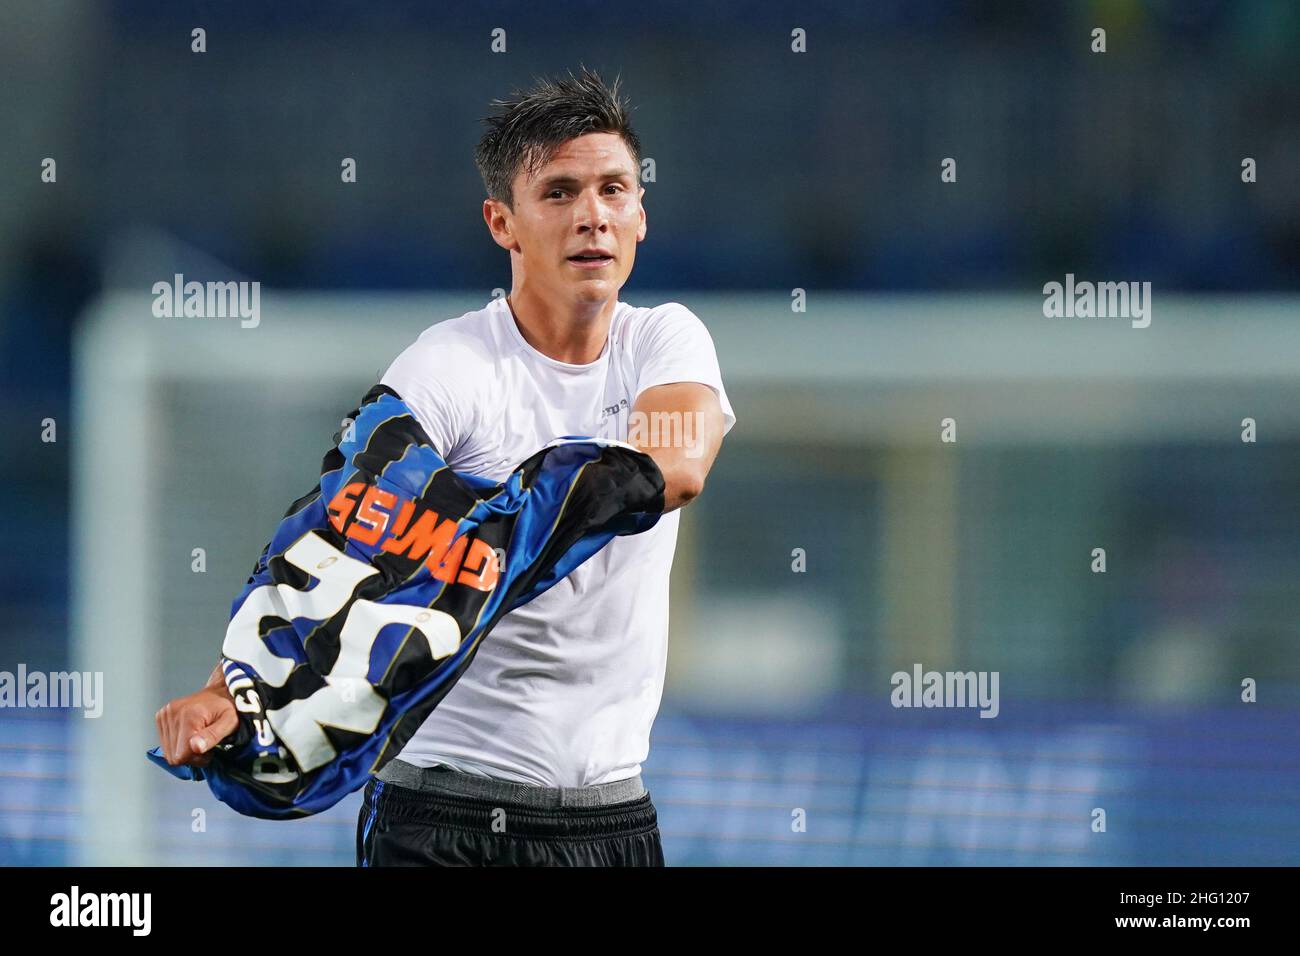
[[680, 426]]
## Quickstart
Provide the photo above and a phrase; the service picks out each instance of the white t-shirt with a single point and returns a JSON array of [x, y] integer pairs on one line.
[[562, 693]]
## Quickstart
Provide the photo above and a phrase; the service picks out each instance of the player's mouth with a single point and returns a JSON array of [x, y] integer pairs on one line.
[[591, 259]]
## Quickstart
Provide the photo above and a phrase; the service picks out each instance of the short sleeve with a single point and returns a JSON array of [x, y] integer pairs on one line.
[[674, 346], [425, 376]]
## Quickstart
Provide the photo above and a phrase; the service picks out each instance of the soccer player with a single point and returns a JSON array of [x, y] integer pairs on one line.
[[534, 756]]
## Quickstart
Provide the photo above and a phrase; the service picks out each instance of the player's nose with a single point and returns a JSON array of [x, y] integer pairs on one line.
[[590, 213]]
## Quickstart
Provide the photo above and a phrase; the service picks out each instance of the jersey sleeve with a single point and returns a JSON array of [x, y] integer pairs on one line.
[[674, 346]]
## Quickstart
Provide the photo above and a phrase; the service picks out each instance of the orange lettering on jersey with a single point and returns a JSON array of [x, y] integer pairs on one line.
[[428, 535], [429, 538], [485, 578], [340, 509], [448, 566], [370, 522], [403, 517]]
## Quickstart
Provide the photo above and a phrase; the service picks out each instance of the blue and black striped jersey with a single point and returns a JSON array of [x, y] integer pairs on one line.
[[376, 588]]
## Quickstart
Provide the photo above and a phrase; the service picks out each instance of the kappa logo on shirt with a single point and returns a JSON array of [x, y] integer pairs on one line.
[[613, 409]]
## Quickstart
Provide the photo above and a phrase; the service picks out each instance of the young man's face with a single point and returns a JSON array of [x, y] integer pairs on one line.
[[588, 197]]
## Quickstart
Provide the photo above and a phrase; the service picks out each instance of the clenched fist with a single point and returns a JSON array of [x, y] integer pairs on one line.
[[189, 727]]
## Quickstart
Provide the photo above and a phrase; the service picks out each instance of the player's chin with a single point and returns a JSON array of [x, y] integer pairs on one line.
[[592, 282], [594, 286]]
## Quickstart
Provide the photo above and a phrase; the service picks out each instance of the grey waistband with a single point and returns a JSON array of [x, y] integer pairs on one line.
[[446, 780]]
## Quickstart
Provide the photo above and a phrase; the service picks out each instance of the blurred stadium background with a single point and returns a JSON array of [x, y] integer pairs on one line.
[[773, 171]]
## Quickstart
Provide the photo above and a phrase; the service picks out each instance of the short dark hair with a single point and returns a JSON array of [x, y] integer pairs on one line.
[[530, 127]]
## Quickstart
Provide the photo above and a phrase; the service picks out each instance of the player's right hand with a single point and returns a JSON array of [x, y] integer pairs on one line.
[[189, 727]]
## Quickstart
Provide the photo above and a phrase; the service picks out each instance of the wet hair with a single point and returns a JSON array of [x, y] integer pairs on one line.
[[530, 126]]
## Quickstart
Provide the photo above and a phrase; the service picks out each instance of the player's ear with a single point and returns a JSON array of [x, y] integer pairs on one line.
[[497, 216], [640, 231]]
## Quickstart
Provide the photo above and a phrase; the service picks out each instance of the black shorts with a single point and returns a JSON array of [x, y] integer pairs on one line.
[[399, 826]]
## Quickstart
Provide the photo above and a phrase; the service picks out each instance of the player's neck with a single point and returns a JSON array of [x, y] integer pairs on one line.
[[575, 335]]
